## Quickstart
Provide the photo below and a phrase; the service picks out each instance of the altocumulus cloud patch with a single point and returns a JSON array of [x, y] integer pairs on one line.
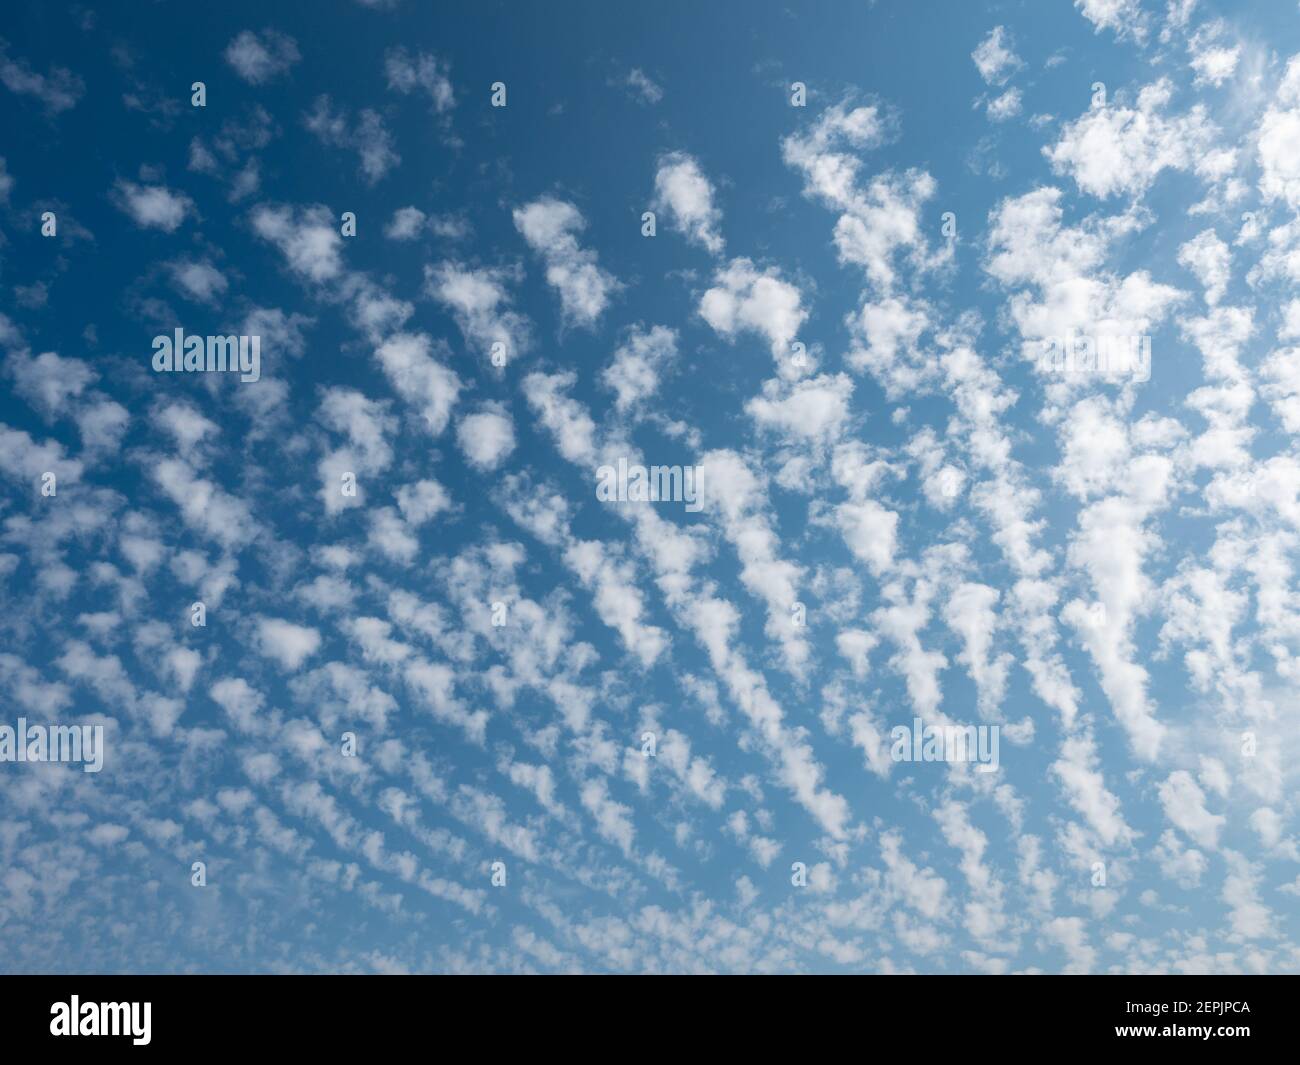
[[821, 498]]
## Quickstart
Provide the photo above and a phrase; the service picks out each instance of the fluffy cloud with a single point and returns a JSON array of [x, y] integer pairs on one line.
[[59, 90], [481, 305], [995, 58], [288, 644], [1117, 149], [407, 72], [486, 438], [686, 194], [1210, 259], [307, 237], [635, 371], [366, 134], [642, 88], [744, 299], [1124, 17], [153, 206], [261, 57], [550, 227], [1277, 137]]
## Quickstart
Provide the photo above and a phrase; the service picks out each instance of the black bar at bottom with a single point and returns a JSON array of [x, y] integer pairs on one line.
[[341, 1014]]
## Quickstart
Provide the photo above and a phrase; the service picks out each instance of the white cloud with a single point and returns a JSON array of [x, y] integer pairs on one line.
[[407, 72], [49, 382], [1005, 106], [420, 379], [995, 57], [1214, 63], [367, 135], [198, 279], [878, 217], [486, 438], [642, 87], [261, 57], [687, 195], [613, 819], [1125, 17], [814, 409], [1118, 149], [550, 227], [306, 236], [1278, 140], [635, 371], [406, 224], [1085, 788], [59, 90], [1210, 259], [1030, 249], [481, 305], [743, 299], [422, 501], [288, 644], [153, 206], [1184, 806]]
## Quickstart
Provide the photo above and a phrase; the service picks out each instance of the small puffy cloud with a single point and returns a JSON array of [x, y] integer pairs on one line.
[[1030, 249], [1210, 259], [391, 537], [481, 305], [1184, 805], [550, 227], [1213, 62], [261, 57], [286, 643], [743, 299], [887, 344], [642, 87], [365, 422], [409, 72], [1005, 106], [420, 379], [634, 373], [813, 409], [59, 90], [407, 223], [450, 227], [198, 279], [1085, 789], [366, 135], [185, 424], [152, 206], [613, 819], [281, 333], [486, 438], [422, 501], [686, 194], [995, 58], [1118, 149], [1278, 141], [1124, 17], [102, 425], [48, 382], [877, 217], [108, 835], [1183, 865], [306, 236], [1248, 916], [204, 505]]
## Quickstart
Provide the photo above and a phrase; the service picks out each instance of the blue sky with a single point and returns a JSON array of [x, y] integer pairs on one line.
[[840, 321]]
